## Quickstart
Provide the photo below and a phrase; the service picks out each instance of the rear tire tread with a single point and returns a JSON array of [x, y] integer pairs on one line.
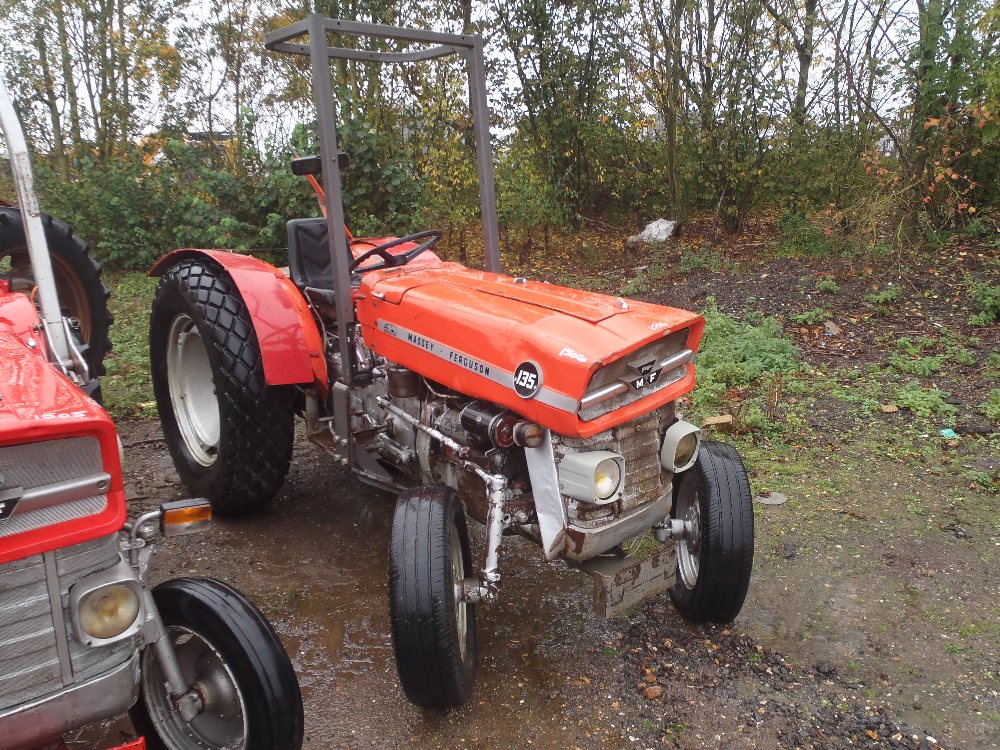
[[257, 420]]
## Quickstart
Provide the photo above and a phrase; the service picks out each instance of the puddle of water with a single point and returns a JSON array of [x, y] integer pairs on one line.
[[316, 566]]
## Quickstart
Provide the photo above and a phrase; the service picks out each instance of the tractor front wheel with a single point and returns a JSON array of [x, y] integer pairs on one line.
[[433, 629], [229, 654], [715, 557], [229, 433]]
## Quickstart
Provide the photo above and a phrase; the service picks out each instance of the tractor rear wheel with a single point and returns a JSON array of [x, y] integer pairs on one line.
[[229, 433], [433, 629], [82, 294], [715, 558]]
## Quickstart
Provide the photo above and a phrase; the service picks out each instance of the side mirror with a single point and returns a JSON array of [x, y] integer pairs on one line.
[[303, 165]]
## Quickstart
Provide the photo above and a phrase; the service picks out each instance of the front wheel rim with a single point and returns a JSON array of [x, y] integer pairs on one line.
[[192, 390], [222, 723], [458, 575], [689, 547]]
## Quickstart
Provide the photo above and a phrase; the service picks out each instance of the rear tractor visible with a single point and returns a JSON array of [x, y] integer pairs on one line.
[[83, 635], [533, 409]]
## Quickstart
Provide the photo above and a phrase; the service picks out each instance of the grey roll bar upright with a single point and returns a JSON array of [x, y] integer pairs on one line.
[[34, 233], [470, 46]]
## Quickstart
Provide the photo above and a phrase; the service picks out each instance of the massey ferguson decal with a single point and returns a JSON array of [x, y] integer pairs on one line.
[[469, 363], [526, 382]]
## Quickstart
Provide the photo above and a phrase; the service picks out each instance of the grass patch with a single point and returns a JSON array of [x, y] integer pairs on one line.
[[924, 401], [742, 368], [991, 407], [128, 391]]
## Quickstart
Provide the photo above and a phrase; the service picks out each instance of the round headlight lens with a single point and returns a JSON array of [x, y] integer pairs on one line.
[[108, 611], [686, 447], [607, 478]]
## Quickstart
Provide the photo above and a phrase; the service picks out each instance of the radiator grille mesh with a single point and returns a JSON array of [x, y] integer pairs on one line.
[[638, 442], [29, 662], [33, 465]]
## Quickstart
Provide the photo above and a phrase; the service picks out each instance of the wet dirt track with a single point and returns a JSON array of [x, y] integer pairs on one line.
[[808, 663], [316, 565]]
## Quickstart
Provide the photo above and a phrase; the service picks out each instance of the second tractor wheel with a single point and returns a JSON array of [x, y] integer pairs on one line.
[[82, 294], [433, 630], [230, 655], [715, 558], [229, 433]]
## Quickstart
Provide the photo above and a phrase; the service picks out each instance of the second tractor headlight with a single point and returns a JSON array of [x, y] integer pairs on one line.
[[108, 611], [106, 606], [593, 477]]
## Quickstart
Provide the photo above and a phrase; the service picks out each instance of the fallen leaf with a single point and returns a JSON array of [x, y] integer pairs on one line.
[[653, 692], [890, 408]]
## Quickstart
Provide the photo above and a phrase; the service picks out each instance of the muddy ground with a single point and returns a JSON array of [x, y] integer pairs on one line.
[[873, 618]]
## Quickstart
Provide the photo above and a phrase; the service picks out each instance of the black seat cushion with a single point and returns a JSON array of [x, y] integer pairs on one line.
[[309, 254]]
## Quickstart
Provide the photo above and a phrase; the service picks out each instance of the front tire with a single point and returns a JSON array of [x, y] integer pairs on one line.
[[229, 433], [433, 630], [228, 651], [714, 561]]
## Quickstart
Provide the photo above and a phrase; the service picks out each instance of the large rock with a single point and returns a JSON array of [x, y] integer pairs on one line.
[[656, 232]]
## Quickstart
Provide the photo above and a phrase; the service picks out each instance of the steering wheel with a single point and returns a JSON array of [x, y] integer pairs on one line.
[[430, 237]]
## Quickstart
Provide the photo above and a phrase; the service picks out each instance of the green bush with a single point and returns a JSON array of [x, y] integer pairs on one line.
[[800, 236], [987, 297], [924, 401], [828, 285], [887, 295], [810, 317], [739, 354]]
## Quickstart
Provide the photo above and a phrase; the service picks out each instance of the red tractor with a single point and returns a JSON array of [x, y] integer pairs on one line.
[[83, 636], [535, 410]]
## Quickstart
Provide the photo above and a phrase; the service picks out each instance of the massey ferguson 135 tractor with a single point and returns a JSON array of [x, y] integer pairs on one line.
[[82, 635], [534, 409]]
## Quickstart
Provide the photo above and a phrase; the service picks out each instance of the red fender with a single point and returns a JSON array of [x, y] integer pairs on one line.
[[290, 342]]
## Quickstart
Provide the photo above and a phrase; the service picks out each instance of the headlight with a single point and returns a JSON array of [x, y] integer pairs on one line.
[[593, 477], [607, 477], [680, 446], [106, 606], [108, 611]]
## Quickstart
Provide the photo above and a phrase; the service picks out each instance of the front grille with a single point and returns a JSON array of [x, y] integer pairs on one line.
[[638, 442], [622, 372], [35, 465], [29, 657]]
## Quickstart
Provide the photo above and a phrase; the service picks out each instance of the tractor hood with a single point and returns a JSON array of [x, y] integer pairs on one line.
[[40, 408], [539, 349]]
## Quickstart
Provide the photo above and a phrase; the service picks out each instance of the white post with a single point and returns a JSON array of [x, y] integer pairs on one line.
[[34, 232]]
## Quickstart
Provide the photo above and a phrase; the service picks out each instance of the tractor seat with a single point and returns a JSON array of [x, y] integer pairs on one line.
[[309, 254]]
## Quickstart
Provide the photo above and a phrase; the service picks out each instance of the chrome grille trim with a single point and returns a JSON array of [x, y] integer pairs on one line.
[[57, 481], [609, 388], [30, 465]]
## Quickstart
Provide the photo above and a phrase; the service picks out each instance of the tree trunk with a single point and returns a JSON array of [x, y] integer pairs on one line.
[[51, 103]]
